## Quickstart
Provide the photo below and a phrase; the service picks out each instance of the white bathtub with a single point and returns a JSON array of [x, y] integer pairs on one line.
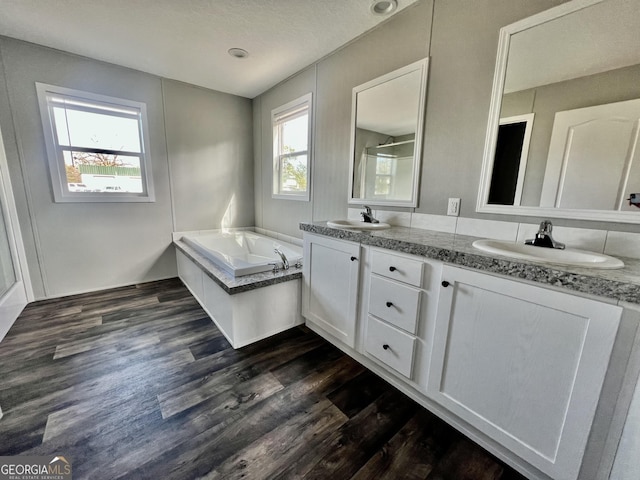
[[242, 253]]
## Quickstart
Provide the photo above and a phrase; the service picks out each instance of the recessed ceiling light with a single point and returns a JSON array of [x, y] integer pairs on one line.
[[238, 52], [383, 7]]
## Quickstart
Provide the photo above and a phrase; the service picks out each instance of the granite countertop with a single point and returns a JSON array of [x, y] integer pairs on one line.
[[620, 284], [233, 285]]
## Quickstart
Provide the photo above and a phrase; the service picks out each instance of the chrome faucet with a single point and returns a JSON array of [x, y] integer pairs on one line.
[[283, 257], [543, 238], [367, 216]]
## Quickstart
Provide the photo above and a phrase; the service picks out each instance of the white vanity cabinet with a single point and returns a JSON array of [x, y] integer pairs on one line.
[[330, 285], [531, 373], [392, 309], [523, 364], [397, 310]]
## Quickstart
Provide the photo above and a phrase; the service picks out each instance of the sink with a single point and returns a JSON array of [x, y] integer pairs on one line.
[[568, 256], [357, 225]]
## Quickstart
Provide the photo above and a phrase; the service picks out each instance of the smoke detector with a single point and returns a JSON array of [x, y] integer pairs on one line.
[[238, 52]]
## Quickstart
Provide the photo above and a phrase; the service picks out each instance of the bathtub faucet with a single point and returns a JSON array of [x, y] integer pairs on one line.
[[285, 262]]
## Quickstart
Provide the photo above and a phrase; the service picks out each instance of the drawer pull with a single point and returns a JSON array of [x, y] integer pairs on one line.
[[389, 304], [385, 346], [353, 259], [445, 283], [392, 269]]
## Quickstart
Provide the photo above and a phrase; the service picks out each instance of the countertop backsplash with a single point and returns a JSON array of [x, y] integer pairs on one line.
[[617, 244]]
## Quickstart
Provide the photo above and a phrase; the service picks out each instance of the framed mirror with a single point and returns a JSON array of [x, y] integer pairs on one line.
[[564, 123], [387, 116]]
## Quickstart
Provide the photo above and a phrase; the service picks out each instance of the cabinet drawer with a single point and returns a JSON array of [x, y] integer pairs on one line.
[[390, 345], [395, 303], [396, 267]]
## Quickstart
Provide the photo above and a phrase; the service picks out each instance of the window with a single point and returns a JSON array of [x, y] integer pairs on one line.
[[97, 146], [385, 172], [292, 149]]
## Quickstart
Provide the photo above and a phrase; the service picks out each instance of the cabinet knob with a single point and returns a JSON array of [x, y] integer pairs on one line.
[[445, 283], [392, 269], [389, 304], [385, 346], [353, 259]]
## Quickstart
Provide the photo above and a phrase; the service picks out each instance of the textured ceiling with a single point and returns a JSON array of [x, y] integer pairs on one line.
[[188, 40]]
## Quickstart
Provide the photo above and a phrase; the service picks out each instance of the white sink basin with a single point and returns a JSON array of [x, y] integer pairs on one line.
[[569, 256], [357, 225]]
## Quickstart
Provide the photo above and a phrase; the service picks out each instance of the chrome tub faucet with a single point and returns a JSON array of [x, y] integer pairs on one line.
[[283, 257]]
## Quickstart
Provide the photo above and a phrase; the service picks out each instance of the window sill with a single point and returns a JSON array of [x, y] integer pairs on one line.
[[109, 198], [296, 197]]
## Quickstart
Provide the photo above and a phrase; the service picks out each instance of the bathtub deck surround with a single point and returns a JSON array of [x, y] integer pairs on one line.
[[245, 308]]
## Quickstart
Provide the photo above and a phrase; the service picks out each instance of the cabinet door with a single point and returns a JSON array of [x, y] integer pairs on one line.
[[330, 288], [523, 364]]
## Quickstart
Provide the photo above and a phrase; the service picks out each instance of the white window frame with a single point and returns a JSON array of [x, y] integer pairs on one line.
[[55, 152], [391, 176], [279, 114]]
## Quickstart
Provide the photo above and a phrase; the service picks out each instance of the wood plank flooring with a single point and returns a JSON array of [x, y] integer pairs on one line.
[[138, 383]]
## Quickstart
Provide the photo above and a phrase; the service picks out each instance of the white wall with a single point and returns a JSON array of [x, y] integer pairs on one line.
[[400, 41], [80, 247], [209, 143], [461, 42], [271, 213], [463, 53]]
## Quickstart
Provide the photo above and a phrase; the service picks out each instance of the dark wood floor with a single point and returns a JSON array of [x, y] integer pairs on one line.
[[137, 382]]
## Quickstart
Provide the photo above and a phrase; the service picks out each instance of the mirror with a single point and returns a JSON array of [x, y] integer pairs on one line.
[[386, 137], [564, 124]]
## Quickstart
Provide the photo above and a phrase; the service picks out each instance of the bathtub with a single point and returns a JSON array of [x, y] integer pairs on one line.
[[246, 308], [243, 252]]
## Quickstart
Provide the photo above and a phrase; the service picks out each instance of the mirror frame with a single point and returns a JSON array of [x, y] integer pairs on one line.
[[482, 205], [423, 67]]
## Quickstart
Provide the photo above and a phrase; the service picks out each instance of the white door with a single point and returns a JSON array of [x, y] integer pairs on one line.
[[15, 289], [593, 158]]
